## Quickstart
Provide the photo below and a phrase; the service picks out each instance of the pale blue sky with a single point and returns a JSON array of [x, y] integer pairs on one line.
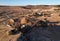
[[29, 2]]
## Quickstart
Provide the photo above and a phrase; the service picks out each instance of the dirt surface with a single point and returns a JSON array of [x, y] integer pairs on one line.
[[51, 13], [36, 34]]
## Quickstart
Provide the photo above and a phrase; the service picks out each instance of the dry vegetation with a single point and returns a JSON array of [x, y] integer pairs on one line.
[[51, 13]]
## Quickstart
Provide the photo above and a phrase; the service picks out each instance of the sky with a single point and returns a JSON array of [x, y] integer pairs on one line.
[[29, 2]]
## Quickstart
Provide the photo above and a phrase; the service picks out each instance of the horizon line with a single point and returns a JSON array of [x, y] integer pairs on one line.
[[27, 5]]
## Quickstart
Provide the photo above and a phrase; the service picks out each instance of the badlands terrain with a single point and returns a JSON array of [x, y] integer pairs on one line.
[[50, 13]]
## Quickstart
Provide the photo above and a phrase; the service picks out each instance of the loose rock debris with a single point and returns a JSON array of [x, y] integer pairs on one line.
[[25, 25]]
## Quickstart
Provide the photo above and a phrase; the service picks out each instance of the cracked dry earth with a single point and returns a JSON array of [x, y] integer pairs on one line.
[[36, 34]]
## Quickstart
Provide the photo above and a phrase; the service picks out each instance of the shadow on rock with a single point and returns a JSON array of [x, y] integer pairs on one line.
[[42, 34]]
